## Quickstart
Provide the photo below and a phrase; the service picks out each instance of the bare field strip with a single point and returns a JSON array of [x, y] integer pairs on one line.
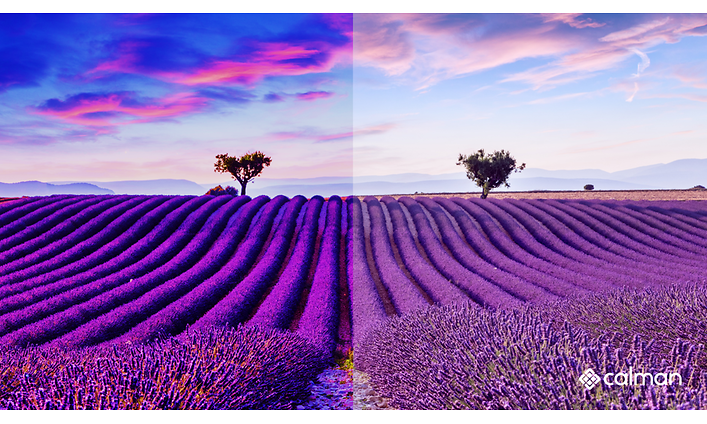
[[675, 195]]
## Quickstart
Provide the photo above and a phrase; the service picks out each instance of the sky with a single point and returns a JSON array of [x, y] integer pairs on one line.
[[107, 97]]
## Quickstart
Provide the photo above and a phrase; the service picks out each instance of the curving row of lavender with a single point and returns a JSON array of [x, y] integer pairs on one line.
[[79, 271]]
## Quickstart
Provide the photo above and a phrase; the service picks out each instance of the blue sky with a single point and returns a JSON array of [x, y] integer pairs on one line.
[[128, 97]]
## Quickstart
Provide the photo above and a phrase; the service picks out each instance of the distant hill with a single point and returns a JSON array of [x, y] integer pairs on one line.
[[153, 187], [680, 174], [37, 188]]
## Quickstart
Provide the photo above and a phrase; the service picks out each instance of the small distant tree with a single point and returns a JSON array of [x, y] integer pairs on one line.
[[489, 171], [589, 187], [243, 169]]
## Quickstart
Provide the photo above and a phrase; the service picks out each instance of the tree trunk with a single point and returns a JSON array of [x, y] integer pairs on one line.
[[243, 184], [485, 191]]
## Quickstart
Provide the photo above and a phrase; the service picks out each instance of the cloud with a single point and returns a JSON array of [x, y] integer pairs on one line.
[[270, 60], [307, 96], [154, 55], [636, 32], [695, 77], [228, 95], [419, 50], [645, 62], [314, 95], [273, 97], [319, 136], [40, 133], [557, 98], [635, 90], [314, 45], [571, 20], [118, 108]]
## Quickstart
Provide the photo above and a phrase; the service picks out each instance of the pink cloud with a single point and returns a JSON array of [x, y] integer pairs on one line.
[[268, 60], [335, 137], [314, 95], [342, 22], [425, 49], [571, 20], [692, 77], [124, 63], [109, 109]]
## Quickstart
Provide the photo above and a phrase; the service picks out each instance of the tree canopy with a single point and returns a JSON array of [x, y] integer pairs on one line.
[[243, 169], [489, 171]]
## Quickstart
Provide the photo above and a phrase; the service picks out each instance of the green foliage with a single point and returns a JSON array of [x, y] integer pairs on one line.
[[589, 187], [489, 171], [243, 169]]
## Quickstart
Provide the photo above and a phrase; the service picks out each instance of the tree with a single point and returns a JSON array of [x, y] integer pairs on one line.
[[245, 168], [489, 171]]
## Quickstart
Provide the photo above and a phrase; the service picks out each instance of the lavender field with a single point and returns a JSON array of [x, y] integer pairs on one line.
[[104, 273]]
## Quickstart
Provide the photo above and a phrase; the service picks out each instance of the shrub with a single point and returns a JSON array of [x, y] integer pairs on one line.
[[589, 187], [219, 191]]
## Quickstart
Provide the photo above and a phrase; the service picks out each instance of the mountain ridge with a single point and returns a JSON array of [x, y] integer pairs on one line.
[[679, 174]]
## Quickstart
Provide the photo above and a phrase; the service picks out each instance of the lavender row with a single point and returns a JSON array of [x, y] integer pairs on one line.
[[529, 237], [500, 240], [405, 296], [482, 291], [608, 238], [641, 234], [72, 308], [435, 285], [320, 319], [583, 239], [10, 207], [527, 282], [118, 255], [68, 248], [76, 226], [692, 229], [679, 242], [366, 306], [517, 286], [234, 276], [43, 219], [157, 293], [278, 308], [18, 216], [234, 290]]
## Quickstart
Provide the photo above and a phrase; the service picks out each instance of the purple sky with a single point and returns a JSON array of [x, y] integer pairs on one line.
[[114, 97]]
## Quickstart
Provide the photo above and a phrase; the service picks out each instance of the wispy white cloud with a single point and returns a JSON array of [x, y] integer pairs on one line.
[[423, 50], [557, 98]]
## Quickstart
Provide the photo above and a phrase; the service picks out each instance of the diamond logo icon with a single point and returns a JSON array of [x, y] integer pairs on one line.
[[589, 379]]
